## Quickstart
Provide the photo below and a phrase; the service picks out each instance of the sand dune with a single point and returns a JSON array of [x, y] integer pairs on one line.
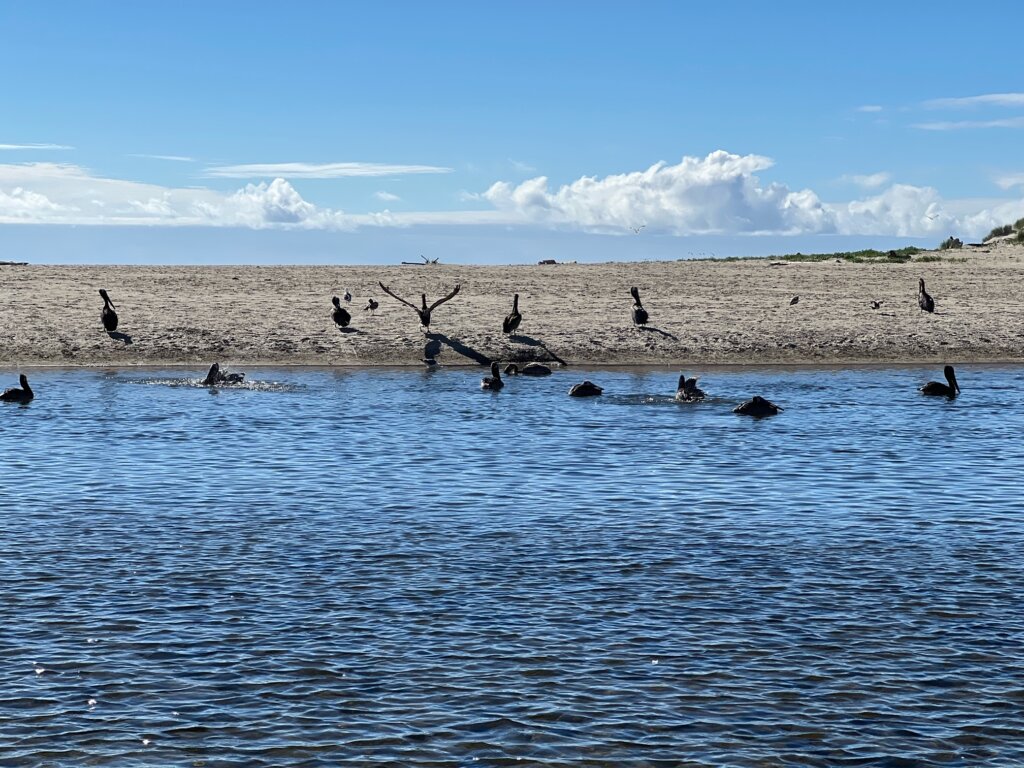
[[701, 312]]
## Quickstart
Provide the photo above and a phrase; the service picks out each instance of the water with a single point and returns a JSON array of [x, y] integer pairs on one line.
[[393, 567]]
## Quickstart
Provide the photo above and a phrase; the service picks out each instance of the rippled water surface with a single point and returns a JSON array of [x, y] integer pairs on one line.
[[393, 567]]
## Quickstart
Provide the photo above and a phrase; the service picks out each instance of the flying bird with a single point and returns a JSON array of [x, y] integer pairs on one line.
[[636, 230], [424, 312]]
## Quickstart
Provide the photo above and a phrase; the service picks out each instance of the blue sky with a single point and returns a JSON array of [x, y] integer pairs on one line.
[[337, 132]]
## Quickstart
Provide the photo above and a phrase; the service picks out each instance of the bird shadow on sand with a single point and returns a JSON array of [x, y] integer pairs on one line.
[[118, 336], [457, 346], [350, 329], [532, 342], [652, 329]]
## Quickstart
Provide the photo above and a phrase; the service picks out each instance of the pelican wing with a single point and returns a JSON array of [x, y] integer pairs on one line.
[[394, 295], [437, 303]]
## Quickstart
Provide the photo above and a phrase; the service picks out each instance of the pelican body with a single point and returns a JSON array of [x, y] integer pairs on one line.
[[638, 312], [341, 315], [216, 376], [512, 321], [757, 406], [950, 389], [687, 390], [108, 315], [924, 301], [16, 395], [585, 389], [493, 382]]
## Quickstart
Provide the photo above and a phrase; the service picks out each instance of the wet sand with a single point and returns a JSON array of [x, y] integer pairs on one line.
[[735, 312]]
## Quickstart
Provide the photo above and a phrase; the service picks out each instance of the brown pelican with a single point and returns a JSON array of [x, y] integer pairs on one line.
[[536, 369], [425, 311], [639, 313], [513, 320], [585, 389], [511, 369], [371, 306], [493, 382], [216, 376], [340, 314], [950, 389], [757, 406], [687, 390], [108, 315], [924, 301], [16, 395]]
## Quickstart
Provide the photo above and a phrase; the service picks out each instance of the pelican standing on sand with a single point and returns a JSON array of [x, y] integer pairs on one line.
[[757, 406], [15, 395], [950, 389], [493, 382], [639, 313], [513, 319], [340, 314], [108, 315], [424, 312], [924, 301], [687, 390], [585, 389]]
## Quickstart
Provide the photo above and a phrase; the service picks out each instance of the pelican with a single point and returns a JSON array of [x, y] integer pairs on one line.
[[639, 313], [348, 296], [340, 314], [924, 301], [493, 382], [108, 315], [585, 389], [951, 389], [757, 406], [16, 395], [536, 369], [513, 320], [216, 376], [371, 306], [425, 311], [511, 369], [687, 390]]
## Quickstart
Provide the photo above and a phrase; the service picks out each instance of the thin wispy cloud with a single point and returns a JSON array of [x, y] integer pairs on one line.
[[316, 170], [960, 125], [169, 158], [521, 166], [34, 146], [387, 197], [869, 108], [1010, 180], [985, 100], [868, 181]]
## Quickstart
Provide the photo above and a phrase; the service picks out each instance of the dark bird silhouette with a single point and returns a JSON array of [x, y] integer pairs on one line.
[[876, 305], [424, 312], [16, 395], [924, 301], [585, 389], [348, 296], [108, 315], [536, 369], [794, 300], [430, 352], [687, 390], [511, 369], [949, 389], [636, 230], [217, 376], [493, 382], [340, 314], [757, 406], [639, 313], [513, 319], [371, 306]]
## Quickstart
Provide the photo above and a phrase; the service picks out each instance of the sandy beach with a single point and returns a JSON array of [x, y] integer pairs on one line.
[[735, 312]]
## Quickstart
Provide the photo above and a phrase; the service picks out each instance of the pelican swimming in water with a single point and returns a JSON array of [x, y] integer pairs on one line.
[[513, 319], [950, 389], [424, 312], [757, 406], [108, 315], [924, 301], [493, 382], [585, 389], [511, 369], [535, 369], [687, 390], [16, 395], [216, 376], [371, 306], [341, 315], [639, 313]]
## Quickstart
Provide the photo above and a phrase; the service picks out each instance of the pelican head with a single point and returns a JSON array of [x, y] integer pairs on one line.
[[336, 302]]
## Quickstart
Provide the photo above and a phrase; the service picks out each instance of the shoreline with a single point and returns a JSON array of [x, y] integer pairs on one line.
[[702, 313]]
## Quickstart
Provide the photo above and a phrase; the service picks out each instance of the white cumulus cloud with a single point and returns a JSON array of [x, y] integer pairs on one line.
[[868, 181]]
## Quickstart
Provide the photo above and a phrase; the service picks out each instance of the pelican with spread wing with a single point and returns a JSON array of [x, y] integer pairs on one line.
[[424, 311]]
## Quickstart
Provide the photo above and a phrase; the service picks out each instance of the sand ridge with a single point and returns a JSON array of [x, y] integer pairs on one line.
[[701, 312]]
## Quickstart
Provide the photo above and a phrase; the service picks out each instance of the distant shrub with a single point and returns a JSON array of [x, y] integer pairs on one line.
[[951, 243], [1006, 229], [1019, 225], [857, 257], [1020, 236]]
